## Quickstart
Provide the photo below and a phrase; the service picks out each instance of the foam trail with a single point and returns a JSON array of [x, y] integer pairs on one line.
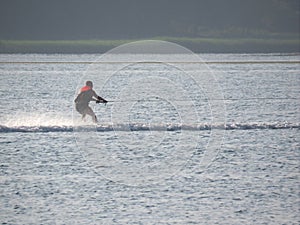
[[35, 122], [144, 127], [49, 122]]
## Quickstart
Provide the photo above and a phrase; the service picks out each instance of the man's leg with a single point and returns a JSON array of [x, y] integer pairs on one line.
[[90, 112], [81, 110]]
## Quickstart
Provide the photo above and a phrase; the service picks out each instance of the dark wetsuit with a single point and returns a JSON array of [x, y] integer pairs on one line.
[[83, 99]]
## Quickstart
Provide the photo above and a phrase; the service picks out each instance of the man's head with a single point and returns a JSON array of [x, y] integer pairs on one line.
[[89, 83]]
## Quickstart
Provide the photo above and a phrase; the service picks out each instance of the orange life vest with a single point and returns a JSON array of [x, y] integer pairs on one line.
[[84, 97], [85, 88]]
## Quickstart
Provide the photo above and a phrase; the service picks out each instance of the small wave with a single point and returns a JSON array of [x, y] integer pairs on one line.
[[147, 127]]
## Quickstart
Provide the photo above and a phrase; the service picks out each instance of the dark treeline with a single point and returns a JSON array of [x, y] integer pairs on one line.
[[140, 19]]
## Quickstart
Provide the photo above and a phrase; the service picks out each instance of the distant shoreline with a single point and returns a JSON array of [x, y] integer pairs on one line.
[[197, 45]]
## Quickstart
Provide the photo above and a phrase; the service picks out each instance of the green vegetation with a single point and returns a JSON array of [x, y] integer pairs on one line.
[[200, 45], [58, 46]]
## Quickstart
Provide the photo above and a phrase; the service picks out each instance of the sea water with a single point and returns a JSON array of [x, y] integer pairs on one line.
[[157, 155]]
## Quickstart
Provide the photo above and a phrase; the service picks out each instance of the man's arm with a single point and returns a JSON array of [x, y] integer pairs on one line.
[[101, 100], [98, 98], [95, 96]]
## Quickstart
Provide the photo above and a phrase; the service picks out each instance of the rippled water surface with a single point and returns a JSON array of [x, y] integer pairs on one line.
[[158, 155]]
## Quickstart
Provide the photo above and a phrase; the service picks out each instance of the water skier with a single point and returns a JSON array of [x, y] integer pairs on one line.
[[83, 99]]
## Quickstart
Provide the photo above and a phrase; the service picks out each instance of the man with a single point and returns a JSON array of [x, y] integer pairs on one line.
[[83, 99]]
